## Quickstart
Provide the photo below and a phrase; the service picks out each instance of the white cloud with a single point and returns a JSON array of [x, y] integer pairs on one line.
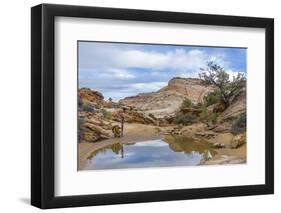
[[118, 62], [143, 59], [233, 73], [133, 89], [149, 86], [152, 143], [120, 73], [112, 57]]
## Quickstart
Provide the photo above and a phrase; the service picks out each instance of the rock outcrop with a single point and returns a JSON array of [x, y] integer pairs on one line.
[[95, 99], [167, 100], [133, 116], [237, 105], [97, 116], [92, 127], [91, 96], [238, 141], [192, 88]]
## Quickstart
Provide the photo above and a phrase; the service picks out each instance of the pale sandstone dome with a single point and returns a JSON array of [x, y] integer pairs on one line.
[[167, 100]]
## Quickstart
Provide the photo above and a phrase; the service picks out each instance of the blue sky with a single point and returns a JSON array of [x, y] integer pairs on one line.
[[120, 70]]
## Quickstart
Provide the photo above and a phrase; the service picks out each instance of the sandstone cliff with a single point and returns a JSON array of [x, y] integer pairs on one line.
[[92, 96], [167, 100]]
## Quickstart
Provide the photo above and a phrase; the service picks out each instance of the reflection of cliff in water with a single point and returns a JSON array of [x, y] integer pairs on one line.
[[189, 145], [172, 151], [184, 144], [116, 148]]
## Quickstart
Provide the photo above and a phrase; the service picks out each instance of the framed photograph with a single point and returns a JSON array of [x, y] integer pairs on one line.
[[139, 106]]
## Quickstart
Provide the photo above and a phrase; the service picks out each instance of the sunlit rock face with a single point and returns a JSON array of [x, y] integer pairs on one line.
[[237, 105], [167, 100], [91, 95]]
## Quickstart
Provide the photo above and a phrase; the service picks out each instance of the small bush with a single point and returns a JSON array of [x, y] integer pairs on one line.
[[240, 124], [185, 119], [199, 105], [208, 116], [106, 114], [214, 118], [204, 115], [87, 107], [84, 105], [212, 98], [186, 103]]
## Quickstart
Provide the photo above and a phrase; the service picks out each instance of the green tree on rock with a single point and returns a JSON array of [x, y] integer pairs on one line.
[[216, 75]]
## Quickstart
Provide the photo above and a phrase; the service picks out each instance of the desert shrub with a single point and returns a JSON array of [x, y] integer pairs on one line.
[[204, 115], [213, 118], [208, 116], [212, 98], [185, 119], [106, 114], [186, 103], [199, 105], [239, 125], [85, 106]]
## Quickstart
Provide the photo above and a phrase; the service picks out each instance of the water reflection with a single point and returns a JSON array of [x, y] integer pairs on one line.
[[188, 145], [174, 151]]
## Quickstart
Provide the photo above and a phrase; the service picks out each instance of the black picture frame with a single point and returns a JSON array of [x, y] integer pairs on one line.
[[43, 105]]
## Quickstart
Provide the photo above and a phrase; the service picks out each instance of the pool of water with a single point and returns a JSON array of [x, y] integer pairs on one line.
[[174, 151]]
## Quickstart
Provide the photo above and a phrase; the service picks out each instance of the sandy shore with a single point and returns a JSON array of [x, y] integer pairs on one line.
[[227, 155], [132, 133]]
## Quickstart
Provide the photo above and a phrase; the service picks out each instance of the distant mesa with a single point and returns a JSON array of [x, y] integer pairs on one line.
[[167, 100]]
